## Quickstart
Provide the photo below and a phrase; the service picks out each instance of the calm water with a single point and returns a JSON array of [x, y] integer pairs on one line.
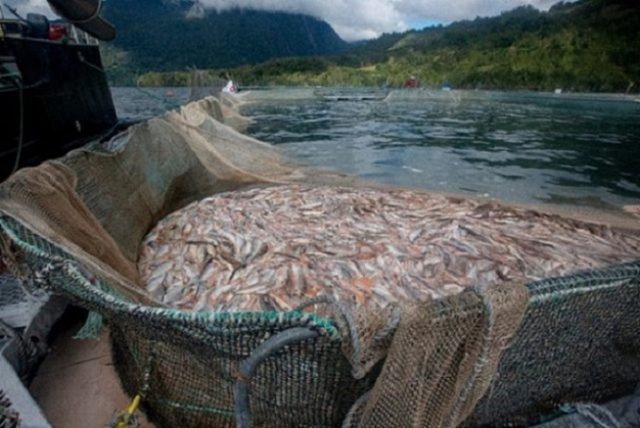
[[580, 151], [145, 103]]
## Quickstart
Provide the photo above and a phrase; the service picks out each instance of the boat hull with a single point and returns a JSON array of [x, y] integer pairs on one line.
[[65, 101]]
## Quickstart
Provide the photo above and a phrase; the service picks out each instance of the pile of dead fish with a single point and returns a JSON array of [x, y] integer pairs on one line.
[[274, 248]]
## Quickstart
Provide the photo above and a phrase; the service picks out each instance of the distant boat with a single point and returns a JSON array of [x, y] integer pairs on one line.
[[230, 88]]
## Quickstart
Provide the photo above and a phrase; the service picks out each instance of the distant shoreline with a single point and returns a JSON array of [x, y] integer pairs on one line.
[[632, 95], [438, 93]]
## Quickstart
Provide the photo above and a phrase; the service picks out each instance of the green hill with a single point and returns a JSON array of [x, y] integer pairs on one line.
[[589, 45], [163, 35]]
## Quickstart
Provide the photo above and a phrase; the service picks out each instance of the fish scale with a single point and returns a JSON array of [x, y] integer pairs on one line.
[[274, 248]]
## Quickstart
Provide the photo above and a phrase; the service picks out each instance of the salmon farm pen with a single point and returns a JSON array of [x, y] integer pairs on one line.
[[499, 315]]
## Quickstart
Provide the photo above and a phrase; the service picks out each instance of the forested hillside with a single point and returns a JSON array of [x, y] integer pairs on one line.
[[163, 35], [587, 45]]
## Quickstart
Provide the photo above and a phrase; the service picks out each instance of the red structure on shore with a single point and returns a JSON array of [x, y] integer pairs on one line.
[[411, 83]]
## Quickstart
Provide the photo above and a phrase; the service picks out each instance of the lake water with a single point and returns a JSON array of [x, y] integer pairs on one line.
[[575, 150]]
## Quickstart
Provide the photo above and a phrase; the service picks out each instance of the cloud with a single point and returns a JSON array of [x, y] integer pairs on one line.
[[362, 19], [365, 19], [446, 11]]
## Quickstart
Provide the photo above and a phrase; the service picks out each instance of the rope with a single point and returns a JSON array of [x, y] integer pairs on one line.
[[599, 415], [128, 418], [341, 310], [16, 164], [77, 272], [347, 320], [14, 12], [249, 366], [69, 267]]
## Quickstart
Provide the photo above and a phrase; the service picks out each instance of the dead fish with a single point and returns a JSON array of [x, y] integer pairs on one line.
[[273, 248]]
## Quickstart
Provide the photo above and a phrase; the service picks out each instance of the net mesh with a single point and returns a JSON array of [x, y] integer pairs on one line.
[[444, 355], [9, 418], [204, 84], [578, 342], [499, 355]]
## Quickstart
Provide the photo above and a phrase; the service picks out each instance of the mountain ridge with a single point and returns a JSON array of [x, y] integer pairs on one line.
[[586, 45], [163, 35]]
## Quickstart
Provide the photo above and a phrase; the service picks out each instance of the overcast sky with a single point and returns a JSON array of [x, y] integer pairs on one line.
[[363, 19]]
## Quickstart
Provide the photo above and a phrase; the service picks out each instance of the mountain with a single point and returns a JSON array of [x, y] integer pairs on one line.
[[164, 35], [586, 45]]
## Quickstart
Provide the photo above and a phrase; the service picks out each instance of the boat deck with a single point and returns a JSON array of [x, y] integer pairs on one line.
[[77, 386]]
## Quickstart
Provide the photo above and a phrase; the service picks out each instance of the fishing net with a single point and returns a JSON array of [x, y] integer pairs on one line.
[[279, 94], [489, 355], [203, 84], [9, 418]]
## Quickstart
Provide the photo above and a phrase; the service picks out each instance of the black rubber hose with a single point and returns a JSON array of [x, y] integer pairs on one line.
[[249, 366]]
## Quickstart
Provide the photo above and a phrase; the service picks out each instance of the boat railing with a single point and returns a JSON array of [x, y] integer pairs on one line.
[[58, 32]]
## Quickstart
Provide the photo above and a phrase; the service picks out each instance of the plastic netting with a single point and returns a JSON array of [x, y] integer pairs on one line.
[[505, 354], [203, 84], [9, 418]]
